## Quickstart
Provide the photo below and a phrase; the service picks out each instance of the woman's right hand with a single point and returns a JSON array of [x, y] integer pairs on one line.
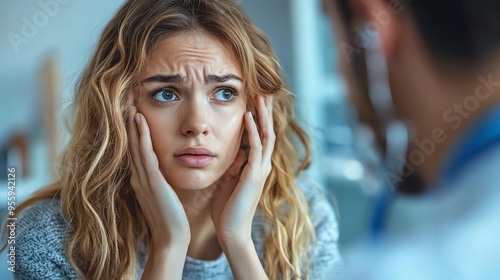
[[164, 212]]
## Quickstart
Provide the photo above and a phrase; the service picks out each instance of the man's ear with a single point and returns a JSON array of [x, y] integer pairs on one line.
[[382, 16]]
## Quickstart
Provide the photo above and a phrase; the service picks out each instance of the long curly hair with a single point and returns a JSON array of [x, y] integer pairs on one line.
[[105, 220]]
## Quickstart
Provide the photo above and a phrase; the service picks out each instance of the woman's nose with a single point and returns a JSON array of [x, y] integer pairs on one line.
[[195, 118]]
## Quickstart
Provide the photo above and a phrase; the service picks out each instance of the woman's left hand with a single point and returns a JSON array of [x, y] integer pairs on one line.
[[237, 196]]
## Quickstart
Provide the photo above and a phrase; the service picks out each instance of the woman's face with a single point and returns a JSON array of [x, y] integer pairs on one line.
[[193, 101]]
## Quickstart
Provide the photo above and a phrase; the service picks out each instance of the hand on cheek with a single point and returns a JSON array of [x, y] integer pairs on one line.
[[238, 193], [160, 204]]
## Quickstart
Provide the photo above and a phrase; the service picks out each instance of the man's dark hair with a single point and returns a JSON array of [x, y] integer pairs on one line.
[[453, 30]]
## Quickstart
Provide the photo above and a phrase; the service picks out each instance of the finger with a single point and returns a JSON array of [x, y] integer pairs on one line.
[[231, 177], [134, 179], [266, 124], [270, 110], [255, 153], [262, 114], [235, 168], [270, 107], [148, 157], [133, 135]]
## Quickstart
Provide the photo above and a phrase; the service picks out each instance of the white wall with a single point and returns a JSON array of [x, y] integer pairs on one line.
[[67, 29], [30, 31]]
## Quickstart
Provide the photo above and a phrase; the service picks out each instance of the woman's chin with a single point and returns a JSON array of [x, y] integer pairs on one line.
[[183, 178], [190, 186], [191, 180]]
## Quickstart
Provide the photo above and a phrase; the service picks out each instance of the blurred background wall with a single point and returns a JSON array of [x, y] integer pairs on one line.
[[45, 44]]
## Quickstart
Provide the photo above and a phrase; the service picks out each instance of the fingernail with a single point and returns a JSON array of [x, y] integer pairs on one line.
[[137, 119], [249, 115]]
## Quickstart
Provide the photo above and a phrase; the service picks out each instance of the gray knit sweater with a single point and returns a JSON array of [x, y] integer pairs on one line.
[[41, 227]]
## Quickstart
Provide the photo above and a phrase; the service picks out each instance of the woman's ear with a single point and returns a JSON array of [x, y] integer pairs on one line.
[[130, 99]]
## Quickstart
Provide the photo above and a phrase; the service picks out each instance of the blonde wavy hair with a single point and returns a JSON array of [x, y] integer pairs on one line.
[[105, 220]]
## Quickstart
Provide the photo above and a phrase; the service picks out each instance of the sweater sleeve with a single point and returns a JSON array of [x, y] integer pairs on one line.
[[326, 258], [39, 249]]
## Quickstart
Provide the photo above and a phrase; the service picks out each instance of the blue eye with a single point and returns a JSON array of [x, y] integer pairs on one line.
[[224, 94], [164, 95]]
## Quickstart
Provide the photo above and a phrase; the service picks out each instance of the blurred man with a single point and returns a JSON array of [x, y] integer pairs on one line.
[[425, 76]]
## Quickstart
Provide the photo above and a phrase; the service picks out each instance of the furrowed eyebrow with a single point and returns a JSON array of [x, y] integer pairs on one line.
[[214, 79], [177, 79]]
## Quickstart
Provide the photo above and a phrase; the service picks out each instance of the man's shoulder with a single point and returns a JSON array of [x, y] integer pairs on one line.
[[484, 167]]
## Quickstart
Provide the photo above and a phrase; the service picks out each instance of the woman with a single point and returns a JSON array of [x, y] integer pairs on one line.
[[183, 130]]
